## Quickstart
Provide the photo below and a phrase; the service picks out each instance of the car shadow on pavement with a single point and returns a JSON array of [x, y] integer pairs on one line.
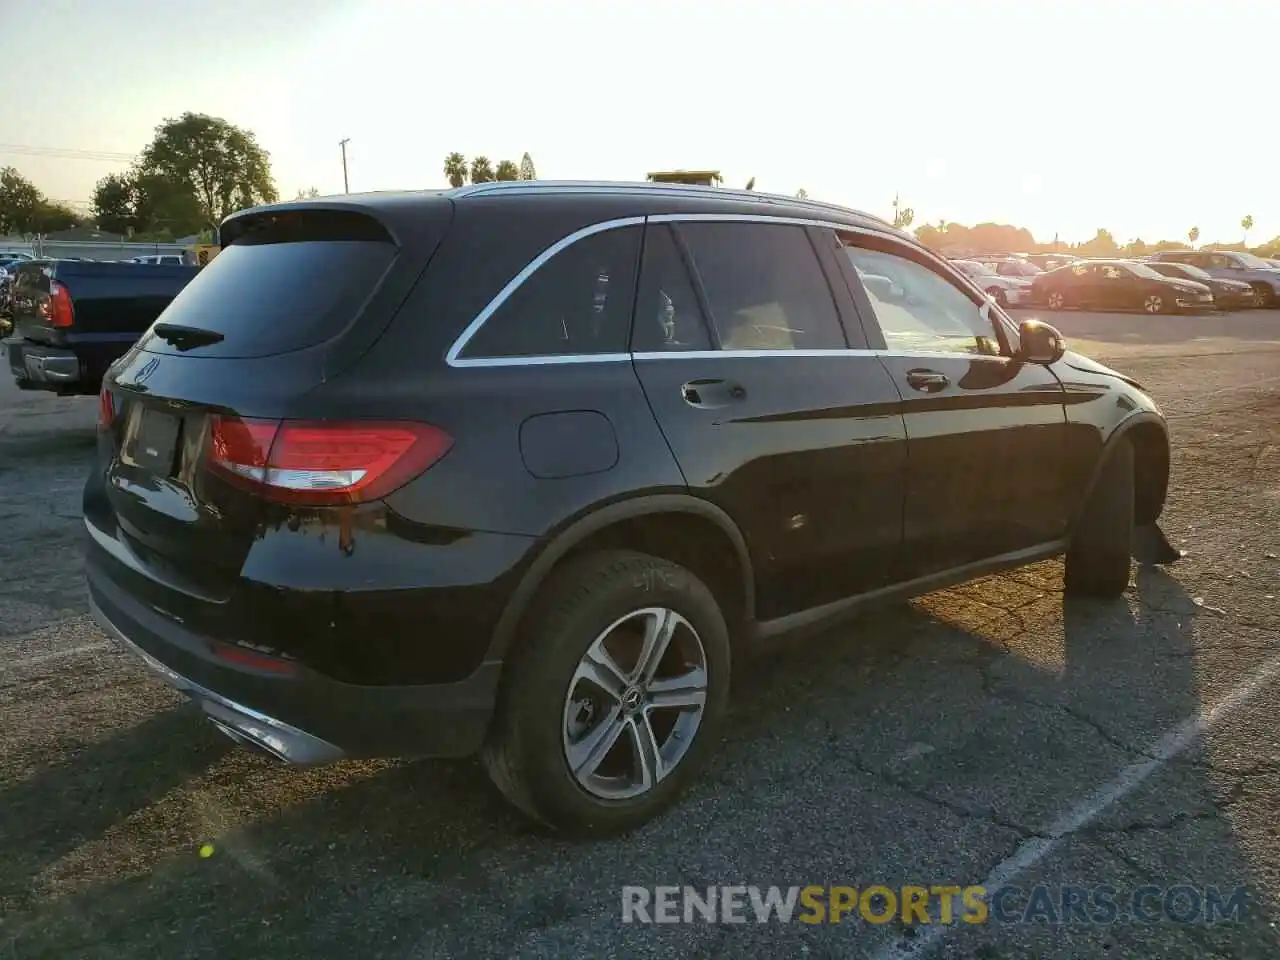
[[921, 744], [64, 804]]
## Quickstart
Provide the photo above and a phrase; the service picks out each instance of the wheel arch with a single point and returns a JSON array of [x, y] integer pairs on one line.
[[1149, 435], [658, 523]]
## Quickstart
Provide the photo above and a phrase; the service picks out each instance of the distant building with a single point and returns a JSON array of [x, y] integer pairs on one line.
[[698, 178]]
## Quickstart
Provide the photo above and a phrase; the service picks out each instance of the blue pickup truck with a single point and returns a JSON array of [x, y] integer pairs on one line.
[[73, 318]]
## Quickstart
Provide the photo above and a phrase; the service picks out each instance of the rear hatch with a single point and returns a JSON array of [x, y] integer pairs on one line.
[[190, 412]]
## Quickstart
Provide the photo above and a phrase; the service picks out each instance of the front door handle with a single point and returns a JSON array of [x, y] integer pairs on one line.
[[928, 381], [712, 393]]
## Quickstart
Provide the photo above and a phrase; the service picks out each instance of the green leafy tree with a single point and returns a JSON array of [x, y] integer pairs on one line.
[[1193, 235], [526, 168], [481, 170], [223, 165], [52, 216], [507, 170], [802, 194], [1247, 224], [114, 203], [165, 205], [903, 217], [20, 202], [455, 169], [310, 193]]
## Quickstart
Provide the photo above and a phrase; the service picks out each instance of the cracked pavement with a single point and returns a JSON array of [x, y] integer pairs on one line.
[[979, 731]]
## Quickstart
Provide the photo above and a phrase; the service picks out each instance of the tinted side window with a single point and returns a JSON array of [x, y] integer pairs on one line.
[[920, 310], [765, 287], [668, 316], [578, 302]]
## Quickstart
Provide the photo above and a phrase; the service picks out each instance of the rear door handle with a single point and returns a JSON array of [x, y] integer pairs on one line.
[[712, 393], [928, 381]]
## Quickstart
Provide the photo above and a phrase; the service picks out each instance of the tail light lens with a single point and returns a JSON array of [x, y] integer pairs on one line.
[[106, 408], [62, 313], [323, 462]]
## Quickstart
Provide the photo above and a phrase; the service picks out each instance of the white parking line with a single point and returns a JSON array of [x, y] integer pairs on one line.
[[55, 655], [1031, 852]]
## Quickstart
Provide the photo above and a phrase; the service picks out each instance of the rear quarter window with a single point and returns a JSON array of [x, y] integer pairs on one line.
[[577, 303]]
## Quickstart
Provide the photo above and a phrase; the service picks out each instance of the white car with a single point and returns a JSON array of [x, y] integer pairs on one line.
[[1007, 291]]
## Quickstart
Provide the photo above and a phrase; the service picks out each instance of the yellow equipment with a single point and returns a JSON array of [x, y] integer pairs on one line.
[[204, 253]]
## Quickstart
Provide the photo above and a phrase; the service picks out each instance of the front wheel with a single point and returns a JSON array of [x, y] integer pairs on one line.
[[999, 296], [1155, 303], [1264, 296], [1102, 543], [614, 696], [1057, 300]]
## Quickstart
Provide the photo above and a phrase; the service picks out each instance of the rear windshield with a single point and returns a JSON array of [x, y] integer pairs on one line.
[[269, 298]]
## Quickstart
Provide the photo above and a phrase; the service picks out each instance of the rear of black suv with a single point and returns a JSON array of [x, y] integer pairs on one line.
[[255, 523], [308, 519]]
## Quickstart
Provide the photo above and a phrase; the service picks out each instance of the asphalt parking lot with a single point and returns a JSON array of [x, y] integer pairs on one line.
[[988, 734]]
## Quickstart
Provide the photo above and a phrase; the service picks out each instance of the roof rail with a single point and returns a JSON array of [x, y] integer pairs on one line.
[[648, 188]]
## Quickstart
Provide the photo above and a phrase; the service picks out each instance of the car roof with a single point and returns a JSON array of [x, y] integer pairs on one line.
[[399, 210]]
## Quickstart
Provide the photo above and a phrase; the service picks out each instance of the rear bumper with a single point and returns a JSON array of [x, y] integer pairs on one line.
[[241, 723], [304, 717], [38, 367]]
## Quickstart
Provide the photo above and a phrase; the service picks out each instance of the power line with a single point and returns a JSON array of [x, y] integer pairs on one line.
[[64, 153]]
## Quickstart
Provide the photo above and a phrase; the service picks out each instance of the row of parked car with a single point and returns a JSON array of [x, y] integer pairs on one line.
[[1167, 282]]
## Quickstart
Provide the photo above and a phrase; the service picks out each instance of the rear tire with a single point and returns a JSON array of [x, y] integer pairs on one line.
[[1101, 546], [999, 296], [527, 754], [1264, 296]]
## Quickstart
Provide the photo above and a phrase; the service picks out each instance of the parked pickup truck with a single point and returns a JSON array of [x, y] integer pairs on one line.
[[73, 318]]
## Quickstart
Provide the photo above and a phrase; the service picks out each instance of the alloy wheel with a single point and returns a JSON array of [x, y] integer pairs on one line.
[[634, 704], [1057, 300], [1153, 304]]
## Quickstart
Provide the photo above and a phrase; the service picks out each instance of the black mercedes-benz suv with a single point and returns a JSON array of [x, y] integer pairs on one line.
[[521, 468]]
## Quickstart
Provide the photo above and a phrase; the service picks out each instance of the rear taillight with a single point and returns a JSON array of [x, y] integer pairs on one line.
[[106, 408], [61, 311], [323, 462]]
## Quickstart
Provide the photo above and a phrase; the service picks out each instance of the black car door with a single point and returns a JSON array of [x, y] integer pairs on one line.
[[740, 343], [1118, 289], [986, 434]]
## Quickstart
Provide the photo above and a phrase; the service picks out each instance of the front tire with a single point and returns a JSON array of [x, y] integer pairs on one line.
[[1098, 557], [1264, 296], [1057, 300], [1155, 303], [614, 696], [999, 296]]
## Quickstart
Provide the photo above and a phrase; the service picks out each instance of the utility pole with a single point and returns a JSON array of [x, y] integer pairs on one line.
[[343, 144]]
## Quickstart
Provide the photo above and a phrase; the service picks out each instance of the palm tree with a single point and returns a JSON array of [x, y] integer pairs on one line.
[[1247, 224], [1193, 235], [455, 169], [802, 194], [481, 170], [507, 170]]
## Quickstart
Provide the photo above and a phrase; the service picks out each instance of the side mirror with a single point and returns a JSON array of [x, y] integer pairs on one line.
[[1039, 343]]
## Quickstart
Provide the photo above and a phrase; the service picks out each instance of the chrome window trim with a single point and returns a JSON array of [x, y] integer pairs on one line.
[[532, 267], [746, 354], [453, 358]]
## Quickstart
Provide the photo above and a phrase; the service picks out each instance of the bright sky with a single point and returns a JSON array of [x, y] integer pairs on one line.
[[1040, 113]]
